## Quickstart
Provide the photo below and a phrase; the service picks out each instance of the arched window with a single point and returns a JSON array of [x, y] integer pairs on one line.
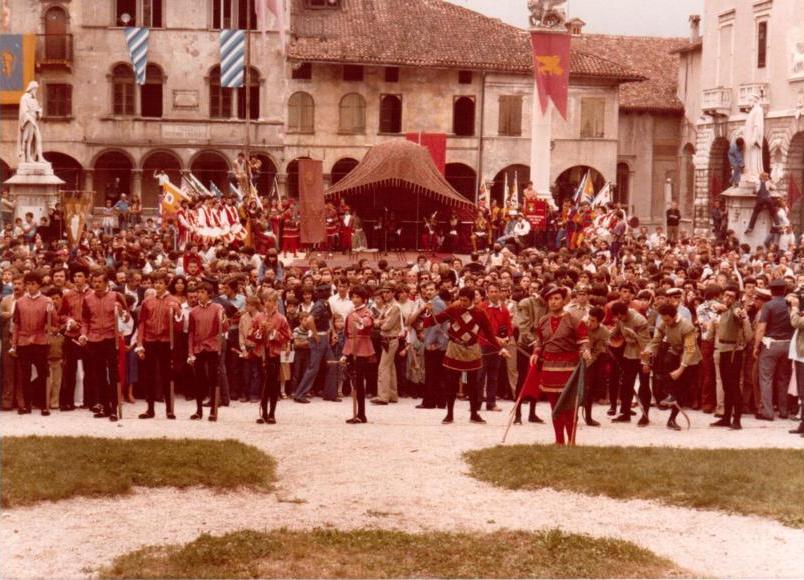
[[301, 113], [254, 99], [220, 98], [463, 116], [353, 114], [123, 90], [56, 39], [151, 92], [390, 114]]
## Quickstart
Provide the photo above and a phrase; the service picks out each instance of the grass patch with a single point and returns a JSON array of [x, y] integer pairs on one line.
[[387, 554], [52, 468], [761, 482]]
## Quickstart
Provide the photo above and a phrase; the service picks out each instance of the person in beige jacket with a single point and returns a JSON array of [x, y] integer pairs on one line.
[[390, 324], [732, 333]]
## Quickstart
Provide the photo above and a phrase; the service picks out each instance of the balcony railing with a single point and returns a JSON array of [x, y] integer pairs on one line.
[[54, 51], [748, 92], [716, 101]]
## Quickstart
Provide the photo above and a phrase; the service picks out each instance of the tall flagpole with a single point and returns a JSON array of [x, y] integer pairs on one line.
[[249, 4]]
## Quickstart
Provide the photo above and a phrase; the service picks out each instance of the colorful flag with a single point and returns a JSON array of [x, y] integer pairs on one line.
[[793, 193], [572, 395], [137, 41], [233, 58], [179, 194], [311, 201], [551, 67], [235, 190], [603, 197], [213, 189], [586, 190], [198, 186], [17, 59], [171, 200], [515, 193], [187, 191]]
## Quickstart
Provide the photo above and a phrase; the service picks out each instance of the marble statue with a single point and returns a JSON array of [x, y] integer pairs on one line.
[[29, 138], [547, 13], [754, 137]]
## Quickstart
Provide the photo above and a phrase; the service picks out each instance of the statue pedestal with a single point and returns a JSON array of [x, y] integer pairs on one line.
[[34, 188], [739, 204]]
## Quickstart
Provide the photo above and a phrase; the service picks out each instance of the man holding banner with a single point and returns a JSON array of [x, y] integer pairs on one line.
[[561, 340]]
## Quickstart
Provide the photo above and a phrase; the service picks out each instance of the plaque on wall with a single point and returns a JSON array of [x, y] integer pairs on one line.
[[185, 99], [185, 132]]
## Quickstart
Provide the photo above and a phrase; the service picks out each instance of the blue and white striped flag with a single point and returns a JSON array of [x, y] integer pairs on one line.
[[233, 58], [213, 189], [137, 41], [236, 191]]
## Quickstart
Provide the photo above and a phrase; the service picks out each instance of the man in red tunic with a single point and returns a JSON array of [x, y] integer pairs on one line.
[[32, 321], [562, 338], [468, 327], [155, 344], [358, 349]]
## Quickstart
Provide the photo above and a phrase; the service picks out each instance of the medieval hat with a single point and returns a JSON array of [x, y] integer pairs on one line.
[[553, 289]]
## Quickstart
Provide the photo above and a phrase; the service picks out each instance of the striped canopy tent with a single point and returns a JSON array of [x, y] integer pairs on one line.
[[399, 176]]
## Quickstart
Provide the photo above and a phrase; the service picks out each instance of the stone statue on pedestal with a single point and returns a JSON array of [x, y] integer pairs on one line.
[[547, 13], [754, 137], [29, 138]]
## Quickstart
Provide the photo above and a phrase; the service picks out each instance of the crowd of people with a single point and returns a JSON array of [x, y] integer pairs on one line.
[[662, 324]]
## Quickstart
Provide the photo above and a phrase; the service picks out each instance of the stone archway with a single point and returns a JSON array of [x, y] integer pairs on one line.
[[719, 169], [112, 177], [166, 161], [569, 179], [464, 179], [342, 168], [795, 179], [212, 167], [68, 169], [514, 173]]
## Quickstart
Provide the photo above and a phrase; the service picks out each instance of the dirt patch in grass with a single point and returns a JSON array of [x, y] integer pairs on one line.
[[38, 469], [387, 554], [761, 482]]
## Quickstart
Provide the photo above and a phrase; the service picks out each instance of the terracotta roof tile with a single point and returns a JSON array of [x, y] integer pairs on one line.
[[431, 33], [435, 33], [654, 58]]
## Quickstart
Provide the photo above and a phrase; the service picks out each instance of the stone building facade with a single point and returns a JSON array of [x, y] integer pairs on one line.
[[748, 48], [353, 74]]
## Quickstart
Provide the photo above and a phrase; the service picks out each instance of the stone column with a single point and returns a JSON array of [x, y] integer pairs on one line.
[[282, 183], [541, 133], [136, 183]]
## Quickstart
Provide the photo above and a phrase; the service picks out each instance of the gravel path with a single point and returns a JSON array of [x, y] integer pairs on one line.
[[402, 471]]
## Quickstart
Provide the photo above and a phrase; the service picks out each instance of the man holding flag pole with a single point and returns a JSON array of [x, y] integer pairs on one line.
[[557, 366]]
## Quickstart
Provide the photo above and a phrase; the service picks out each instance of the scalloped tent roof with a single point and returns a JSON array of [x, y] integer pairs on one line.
[[400, 164]]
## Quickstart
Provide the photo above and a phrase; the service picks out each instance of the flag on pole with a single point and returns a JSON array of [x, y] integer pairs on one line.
[[586, 190], [603, 197], [276, 190], [198, 186], [551, 67], [516, 188], [235, 190], [171, 200], [213, 189], [168, 187], [233, 58], [506, 193], [137, 41], [187, 190], [572, 395]]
